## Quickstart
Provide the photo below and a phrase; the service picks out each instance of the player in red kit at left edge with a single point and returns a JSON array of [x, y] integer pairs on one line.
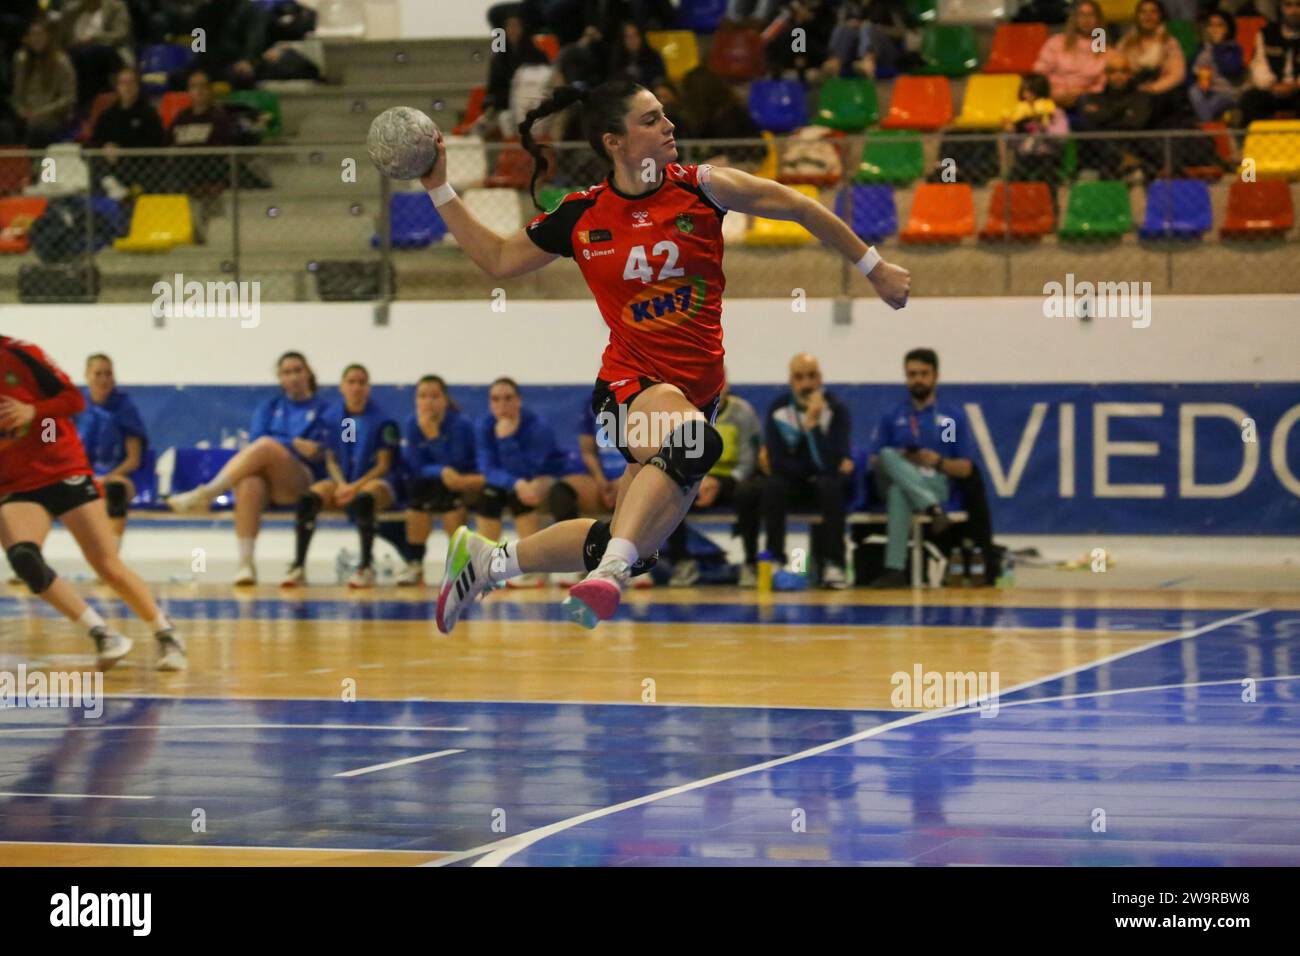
[[44, 476]]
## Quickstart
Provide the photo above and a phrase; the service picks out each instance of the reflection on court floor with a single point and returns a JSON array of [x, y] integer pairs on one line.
[[700, 727]]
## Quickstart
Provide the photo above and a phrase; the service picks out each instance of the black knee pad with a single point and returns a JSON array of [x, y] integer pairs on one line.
[[29, 564], [690, 452], [309, 506], [491, 502], [364, 510], [562, 502], [115, 499], [593, 549]]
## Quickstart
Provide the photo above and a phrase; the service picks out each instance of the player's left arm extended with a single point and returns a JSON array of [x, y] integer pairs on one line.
[[739, 191]]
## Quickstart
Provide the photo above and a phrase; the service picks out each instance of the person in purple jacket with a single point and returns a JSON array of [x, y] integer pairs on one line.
[[1218, 71], [438, 470]]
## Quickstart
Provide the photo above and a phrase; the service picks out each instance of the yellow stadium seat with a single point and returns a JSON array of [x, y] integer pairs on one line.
[[1274, 146], [778, 232], [679, 49], [988, 99], [770, 165], [158, 224], [1118, 11]]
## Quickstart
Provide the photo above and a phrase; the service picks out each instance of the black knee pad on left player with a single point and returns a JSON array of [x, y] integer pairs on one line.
[[309, 506], [29, 564], [593, 549], [364, 510], [115, 499], [691, 450], [562, 502]]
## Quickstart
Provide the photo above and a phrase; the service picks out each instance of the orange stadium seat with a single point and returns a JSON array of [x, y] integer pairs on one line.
[[1247, 30], [919, 102], [513, 169], [473, 110], [12, 207], [171, 106], [1015, 47], [1023, 213], [102, 102], [941, 212], [549, 44]]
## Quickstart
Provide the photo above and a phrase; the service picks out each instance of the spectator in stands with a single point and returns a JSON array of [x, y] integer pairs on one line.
[[438, 470], [520, 50], [734, 481], [115, 439], [130, 123], [97, 35], [149, 20], [1218, 70], [1118, 107], [710, 107], [1275, 68], [807, 441], [45, 87], [916, 448], [635, 59], [870, 35], [585, 61], [755, 13], [1159, 67], [236, 38], [518, 457], [204, 123], [1039, 120], [1074, 60], [816, 20]]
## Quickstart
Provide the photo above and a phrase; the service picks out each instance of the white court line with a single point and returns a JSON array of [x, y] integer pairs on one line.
[[211, 846], [74, 796], [495, 853], [397, 763], [379, 727]]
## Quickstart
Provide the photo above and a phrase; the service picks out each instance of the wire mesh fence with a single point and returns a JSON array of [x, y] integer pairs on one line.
[[972, 212]]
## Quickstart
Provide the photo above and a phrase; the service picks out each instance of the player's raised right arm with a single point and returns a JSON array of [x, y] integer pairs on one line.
[[501, 257]]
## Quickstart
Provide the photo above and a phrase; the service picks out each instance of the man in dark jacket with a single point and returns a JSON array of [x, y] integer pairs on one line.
[[1275, 69], [1121, 106], [130, 123], [807, 440]]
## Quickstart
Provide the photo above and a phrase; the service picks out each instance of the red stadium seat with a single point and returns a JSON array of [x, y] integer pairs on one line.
[[513, 169], [1030, 208], [1247, 29], [1222, 148], [737, 54], [549, 44], [941, 212], [102, 102], [1258, 210], [11, 207], [171, 106], [1015, 47], [473, 110], [919, 102], [15, 173]]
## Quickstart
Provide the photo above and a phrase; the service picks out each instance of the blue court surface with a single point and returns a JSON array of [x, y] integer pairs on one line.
[[1186, 752]]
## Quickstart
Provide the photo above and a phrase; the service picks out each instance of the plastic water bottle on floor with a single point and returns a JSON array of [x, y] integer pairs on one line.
[[1008, 578], [344, 564]]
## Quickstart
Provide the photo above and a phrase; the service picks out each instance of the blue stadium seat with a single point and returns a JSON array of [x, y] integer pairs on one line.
[[112, 210], [871, 213], [778, 105], [1177, 209], [702, 16], [414, 222], [194, 466], [158, 60]]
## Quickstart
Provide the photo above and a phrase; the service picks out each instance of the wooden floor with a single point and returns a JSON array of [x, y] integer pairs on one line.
[[330, 728]]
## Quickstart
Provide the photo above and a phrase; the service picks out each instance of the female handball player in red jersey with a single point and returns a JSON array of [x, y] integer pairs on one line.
[[44, 475], [649, 243]]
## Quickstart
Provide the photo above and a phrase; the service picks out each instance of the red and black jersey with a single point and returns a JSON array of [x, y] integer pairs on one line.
[[48, 449], [654, 264]]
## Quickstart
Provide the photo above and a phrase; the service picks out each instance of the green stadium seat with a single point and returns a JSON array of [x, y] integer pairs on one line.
[[849, 105], [891, 157], [1097, 210], [1185, 32], [949, 50], [267, 105], [922, 11]]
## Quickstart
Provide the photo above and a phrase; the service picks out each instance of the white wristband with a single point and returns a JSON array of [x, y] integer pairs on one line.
[[444, 194], [868, 262]]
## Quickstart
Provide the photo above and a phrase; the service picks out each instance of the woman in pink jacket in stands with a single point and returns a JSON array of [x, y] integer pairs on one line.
[[1074, 61]]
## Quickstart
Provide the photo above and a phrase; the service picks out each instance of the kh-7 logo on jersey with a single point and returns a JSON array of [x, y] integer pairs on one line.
[[665, 304]]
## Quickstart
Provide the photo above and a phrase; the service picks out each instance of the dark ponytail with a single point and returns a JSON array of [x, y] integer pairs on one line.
[[604, 110]]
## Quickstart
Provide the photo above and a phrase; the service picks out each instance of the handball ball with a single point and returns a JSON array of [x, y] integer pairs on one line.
[[403, 143]]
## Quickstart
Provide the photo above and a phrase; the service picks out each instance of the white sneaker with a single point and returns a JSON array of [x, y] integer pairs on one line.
[[534, 580], [190, 502], [110, 646], [596, 597], [246, 576], [685, 574], [412, 575], [362, 578], [171, 653], [295, 577], [748, 576], [833, 577], [465, 578]]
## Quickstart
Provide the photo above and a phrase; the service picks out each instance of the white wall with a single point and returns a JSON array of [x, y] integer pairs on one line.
[[443, 18], [1190, 339]]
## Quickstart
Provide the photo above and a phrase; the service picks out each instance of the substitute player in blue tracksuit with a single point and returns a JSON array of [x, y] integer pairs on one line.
[[361, 443], [114, 436]]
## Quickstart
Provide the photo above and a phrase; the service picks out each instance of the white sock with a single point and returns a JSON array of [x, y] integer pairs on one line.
[[245, 550], [91, 619], [160, 623], [623, 549], [505, 562]]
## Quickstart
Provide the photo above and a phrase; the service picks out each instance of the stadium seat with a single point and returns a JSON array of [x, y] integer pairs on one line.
[[501, 210], [1177, 209], [158, 224], [701, 16], [15, 172], [1097, 210], [771, 164], [778, 106], [1118, 11], [160, 59], [778, 232], [891, 157], [192, 467], [12, 207], [1015, 47], [101, 102], [737, 54], [988, 99], [265, 103], [1247, 30], [1069, 160], [111, 210], [941, 212], [1262, 209], [473, 110], [551, 196], [848, 105], [413, 222], [513, 169], [919, 102], [870, 214], [466, 161], [679, 48], [1023, 212], [548, 43], [922, 11], [1185, 32], [975, 11], [1274, 145], [171, 105], [949, 50]]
